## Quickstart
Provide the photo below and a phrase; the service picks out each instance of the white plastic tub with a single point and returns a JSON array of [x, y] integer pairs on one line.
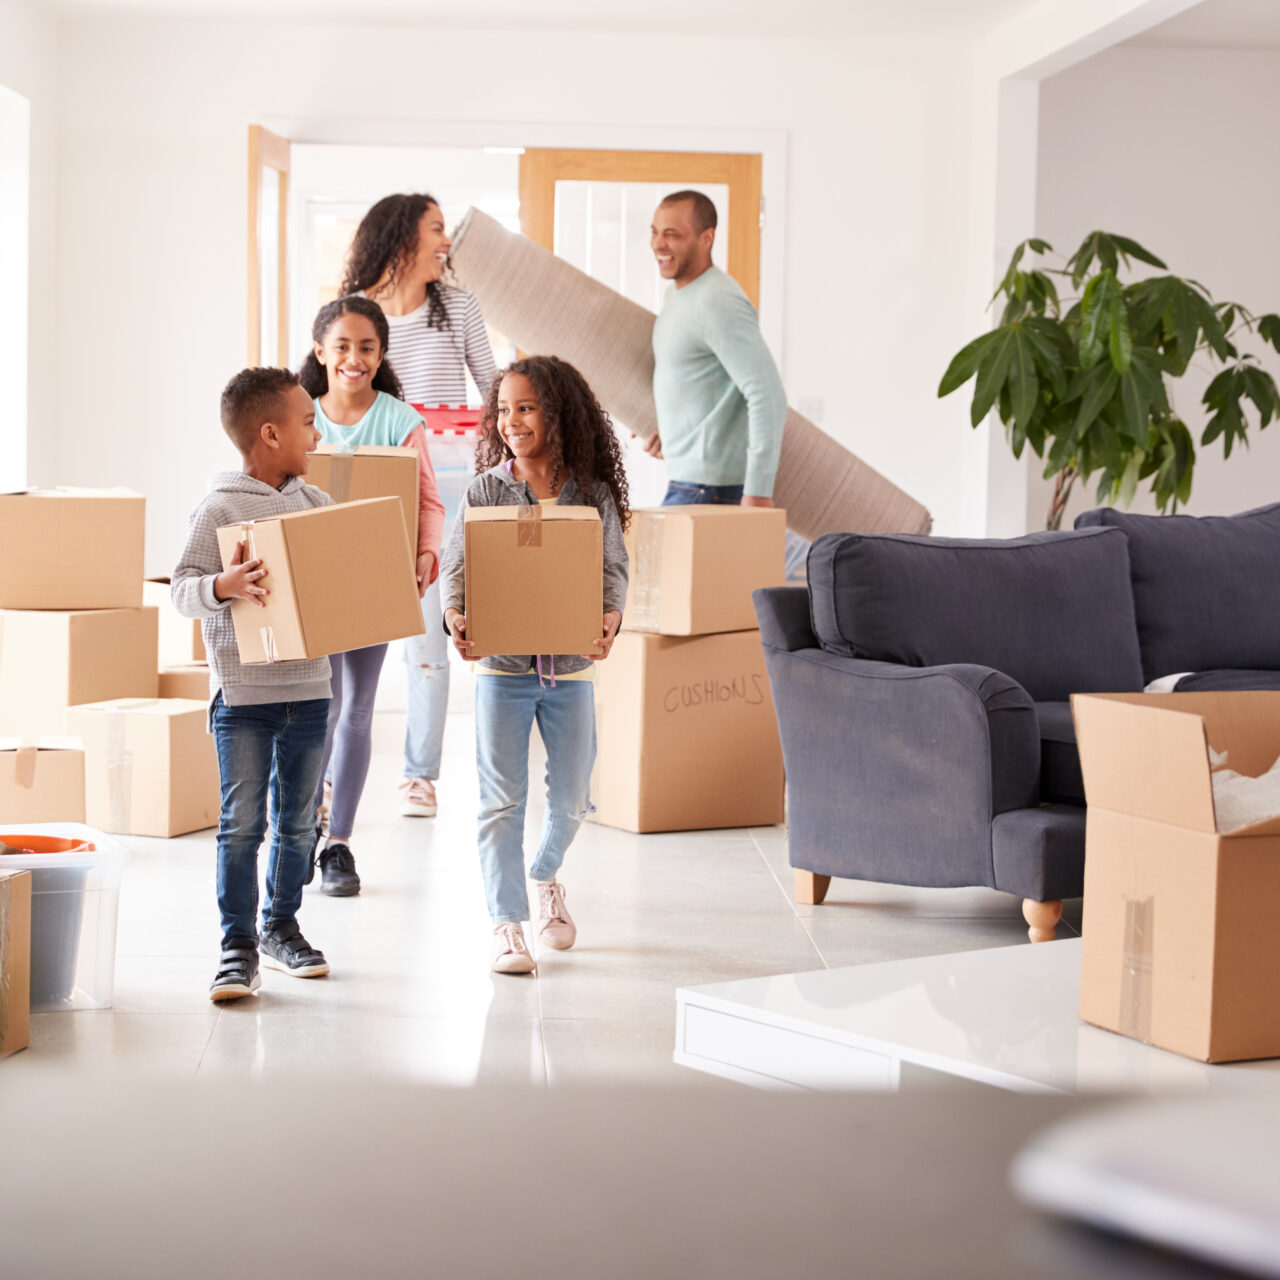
[[75, 897]]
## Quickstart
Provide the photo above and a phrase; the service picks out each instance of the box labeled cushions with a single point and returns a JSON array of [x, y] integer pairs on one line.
[[41, 781], [150, 765], [534, 579], [181, 639], [339, 578], [371, 471], [84, 549], [686, 734], [50, 660], [1181, 948], [693, 568]]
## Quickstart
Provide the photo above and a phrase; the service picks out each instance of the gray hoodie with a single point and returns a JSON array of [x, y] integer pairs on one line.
[[497, 487], [233, 498]]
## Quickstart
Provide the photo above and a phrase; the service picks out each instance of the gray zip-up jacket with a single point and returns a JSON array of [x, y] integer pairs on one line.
[[497, 487], [234, 497]]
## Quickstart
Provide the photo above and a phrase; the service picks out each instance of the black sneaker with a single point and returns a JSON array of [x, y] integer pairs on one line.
[[237, 971], [315, 844], [285, 948], [338, 872]]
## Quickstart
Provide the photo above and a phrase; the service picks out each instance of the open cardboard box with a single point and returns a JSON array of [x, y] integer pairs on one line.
[[693, 568], [1181, 941], [339, 577]]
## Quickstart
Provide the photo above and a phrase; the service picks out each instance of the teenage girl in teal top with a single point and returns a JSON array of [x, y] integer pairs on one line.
[[358, 402]]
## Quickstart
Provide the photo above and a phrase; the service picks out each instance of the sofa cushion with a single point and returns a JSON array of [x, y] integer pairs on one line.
[[1052, 610], [1206, 589], [1215, 681], [1061, 780]]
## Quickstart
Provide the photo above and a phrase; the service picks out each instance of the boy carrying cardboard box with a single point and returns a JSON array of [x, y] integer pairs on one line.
[[268, 721]]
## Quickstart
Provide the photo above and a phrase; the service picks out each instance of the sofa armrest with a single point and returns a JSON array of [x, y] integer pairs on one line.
[[783, 615], [895, 773]]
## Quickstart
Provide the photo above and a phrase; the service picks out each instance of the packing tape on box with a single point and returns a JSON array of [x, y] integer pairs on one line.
[[25, 765], [529, 527], [341, 465], [1136, 975], [646, 586], [266, 634], [119, 769]]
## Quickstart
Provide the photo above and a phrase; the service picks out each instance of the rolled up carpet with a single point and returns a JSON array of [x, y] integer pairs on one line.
[[545, 305]]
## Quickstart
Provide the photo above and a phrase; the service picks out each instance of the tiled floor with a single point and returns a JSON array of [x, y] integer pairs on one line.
[[411, 994]]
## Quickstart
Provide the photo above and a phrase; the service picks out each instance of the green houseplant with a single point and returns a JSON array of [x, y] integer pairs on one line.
[[1084, 380]]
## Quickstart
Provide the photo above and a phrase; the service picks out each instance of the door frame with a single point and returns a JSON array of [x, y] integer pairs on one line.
[[770, 144]]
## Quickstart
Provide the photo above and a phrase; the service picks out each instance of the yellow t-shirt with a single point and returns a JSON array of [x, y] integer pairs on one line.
[[588, 674]]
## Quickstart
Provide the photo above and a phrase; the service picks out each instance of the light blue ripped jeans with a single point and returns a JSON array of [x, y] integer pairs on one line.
[[507, 707], [427, 658]]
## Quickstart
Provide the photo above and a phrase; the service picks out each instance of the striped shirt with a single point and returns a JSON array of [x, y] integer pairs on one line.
[[432, 363]]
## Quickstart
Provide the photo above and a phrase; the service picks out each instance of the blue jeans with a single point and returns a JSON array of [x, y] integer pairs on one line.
[[506, 710], [275, 748], [680, 494], [427, 657]]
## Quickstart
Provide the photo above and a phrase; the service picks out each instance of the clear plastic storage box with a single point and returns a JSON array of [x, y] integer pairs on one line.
[[75, 896]]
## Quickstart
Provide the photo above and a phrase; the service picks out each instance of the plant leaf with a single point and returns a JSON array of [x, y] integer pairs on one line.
[[1121, 343], [965, 363], [1024, 382], [1135, 250], [992, 370], [1095, 315]]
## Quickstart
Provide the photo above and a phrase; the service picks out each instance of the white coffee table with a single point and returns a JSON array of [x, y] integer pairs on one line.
[[1004, 1017]]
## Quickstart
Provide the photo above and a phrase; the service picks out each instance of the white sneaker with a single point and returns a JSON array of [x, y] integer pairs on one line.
[[555, 924], [510, 952], [417, 798]]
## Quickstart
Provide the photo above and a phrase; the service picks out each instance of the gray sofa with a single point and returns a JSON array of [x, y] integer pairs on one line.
[[921, 686]]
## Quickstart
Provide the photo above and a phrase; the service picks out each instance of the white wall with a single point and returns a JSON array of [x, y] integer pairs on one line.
[[152, 220], [1174, 148], [28, 69]]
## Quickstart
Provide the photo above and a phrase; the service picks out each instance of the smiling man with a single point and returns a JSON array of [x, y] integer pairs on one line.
[[720, 401]]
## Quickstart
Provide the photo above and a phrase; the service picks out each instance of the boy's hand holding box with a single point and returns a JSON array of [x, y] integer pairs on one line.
[[534, 580], [339, 577]]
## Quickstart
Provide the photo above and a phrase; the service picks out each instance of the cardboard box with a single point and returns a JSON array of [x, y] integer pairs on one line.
[[15, 961], [151, 768], [372, 471], [84, 549], [41, 780], [693, 569], [535, 579], [1181, 947], [686, 735], [340, 578], [51, 659], [181, 639], [191, 680]]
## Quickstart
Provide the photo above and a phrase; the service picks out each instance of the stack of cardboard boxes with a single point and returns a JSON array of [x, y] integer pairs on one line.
[[79, 655], [686, 735]]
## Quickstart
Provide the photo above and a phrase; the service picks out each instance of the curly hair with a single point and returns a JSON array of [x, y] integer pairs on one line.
[[315, 378], [385, 243], [579, 431]]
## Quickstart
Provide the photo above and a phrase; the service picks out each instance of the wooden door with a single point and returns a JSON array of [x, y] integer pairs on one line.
[[541, 169], [268, 320]]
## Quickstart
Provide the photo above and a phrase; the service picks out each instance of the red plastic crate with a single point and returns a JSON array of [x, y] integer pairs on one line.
[[449, 420]]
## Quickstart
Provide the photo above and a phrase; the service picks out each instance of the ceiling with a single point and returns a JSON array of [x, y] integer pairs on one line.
[[1218, 24], [741, 17]]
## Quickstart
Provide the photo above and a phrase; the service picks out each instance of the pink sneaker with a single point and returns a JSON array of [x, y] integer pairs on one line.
[[510, 952], [555, 924], [417, 798]]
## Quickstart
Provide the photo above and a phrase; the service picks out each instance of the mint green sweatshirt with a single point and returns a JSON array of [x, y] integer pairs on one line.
[[720, 401]]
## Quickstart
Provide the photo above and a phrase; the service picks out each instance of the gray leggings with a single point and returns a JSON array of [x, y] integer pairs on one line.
[[349, 735]]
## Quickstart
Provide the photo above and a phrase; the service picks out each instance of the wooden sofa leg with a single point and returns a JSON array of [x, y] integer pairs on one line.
[[1043, 918], [811, 888]]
